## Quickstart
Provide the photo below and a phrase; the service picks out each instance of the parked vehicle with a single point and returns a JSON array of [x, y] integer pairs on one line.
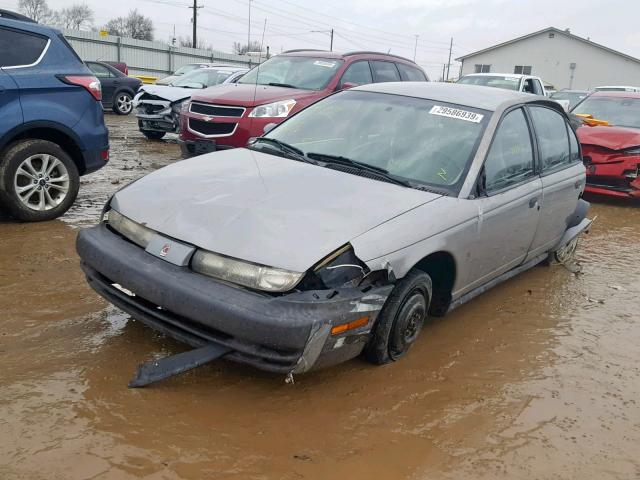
[[119, 66], [611, 143], [168, 80], [158, 107], [118, 89], [507, 81], [341, 229], [228, 116], [569, 98], [617, 88], [51, 123]]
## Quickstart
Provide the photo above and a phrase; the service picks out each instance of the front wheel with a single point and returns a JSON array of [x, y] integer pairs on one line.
[[401, 319], [123, 103], [153, 134], [38, 180]]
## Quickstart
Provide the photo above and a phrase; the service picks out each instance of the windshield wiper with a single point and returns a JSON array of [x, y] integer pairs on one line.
[[285, 85], [287, 150], [340, 160]]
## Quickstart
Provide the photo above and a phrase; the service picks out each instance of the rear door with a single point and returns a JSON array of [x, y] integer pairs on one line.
[[508, 213], [562, 174], [10, 110]]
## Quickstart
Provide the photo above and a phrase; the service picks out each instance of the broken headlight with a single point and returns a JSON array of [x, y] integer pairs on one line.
[[258, 277], [340, 268], [132, 231]]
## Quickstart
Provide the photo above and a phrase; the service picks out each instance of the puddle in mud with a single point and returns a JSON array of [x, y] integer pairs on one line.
[[538, 378]]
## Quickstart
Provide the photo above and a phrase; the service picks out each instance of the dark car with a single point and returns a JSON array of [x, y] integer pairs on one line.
[[118, 90], [228, 116], [120, 66], [51, 122], [574, 97]]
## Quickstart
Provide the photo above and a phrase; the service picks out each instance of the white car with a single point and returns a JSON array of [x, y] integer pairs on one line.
[[617, 88], [507, 81], [158, 106]]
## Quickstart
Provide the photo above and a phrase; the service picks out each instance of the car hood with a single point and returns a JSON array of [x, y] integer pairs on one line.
[[249, 95], [611, 137], [169, 93], [167, 80], [263, 208]]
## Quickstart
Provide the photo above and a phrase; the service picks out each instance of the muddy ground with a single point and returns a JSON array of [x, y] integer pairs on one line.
[[537, 379]]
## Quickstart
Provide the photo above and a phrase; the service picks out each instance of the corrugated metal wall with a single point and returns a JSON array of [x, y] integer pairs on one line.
[[143, 57]]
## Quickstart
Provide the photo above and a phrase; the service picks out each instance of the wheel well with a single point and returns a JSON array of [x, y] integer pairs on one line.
[[441, 267], [56, 136]]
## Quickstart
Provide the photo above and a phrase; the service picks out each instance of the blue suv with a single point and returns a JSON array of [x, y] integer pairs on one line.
[[52, 127]]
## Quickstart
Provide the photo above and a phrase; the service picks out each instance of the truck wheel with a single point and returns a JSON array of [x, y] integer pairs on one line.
[[152, 134], [401, 319], [123, 103], [38, 180]]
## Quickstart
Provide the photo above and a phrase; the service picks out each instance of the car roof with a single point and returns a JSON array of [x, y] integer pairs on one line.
[[497, 74], [616, 86], [28, 26], [616, 94], [568, 90], [342, 56], [485, 98]]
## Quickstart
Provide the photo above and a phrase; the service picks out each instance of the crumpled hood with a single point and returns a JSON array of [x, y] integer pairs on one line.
[[263, 208], [250, 95], [171, 94], [611, 137]]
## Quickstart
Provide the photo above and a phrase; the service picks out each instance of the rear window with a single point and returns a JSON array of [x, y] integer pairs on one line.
[[411, 74], [496, 81], [20, 48]]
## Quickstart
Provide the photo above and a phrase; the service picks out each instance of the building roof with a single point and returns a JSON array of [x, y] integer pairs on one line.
[[550, 30]]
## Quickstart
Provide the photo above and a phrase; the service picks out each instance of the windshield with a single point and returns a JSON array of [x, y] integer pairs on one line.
[[202, 78], [621, 111], [186, 69], [307, 73], [573, 97], [419, 140], [507, 83]]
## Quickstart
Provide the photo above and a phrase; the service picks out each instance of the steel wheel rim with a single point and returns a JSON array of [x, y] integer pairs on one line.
[[125, 103], [41, 182]]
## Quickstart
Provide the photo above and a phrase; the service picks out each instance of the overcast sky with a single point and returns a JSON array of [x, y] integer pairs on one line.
[[383, 25]]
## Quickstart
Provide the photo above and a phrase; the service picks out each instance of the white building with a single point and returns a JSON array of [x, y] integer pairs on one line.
[[560, 58]]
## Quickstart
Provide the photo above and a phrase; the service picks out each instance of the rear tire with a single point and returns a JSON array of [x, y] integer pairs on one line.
[[38, 180], [401, 319], [123, 103], [152, 134]]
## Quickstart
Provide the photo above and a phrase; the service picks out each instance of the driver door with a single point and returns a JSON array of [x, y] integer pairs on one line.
[[508, 210]]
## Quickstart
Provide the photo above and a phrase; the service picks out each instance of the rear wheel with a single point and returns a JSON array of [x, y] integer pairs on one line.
[[567, 252], [123, 103], [38, 180], [401, 319]]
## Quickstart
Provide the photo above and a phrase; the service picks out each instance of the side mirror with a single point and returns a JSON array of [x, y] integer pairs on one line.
[[347, 86], [268, 127]]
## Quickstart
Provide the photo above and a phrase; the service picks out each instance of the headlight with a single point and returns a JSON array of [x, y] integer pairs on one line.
[[250, 275], [632, 151], [179, 106], [340, 268], [273, 110], [133, 231], [184, 106]]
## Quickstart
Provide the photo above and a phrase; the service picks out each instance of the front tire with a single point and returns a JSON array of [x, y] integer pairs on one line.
[[400, 322], [123, 103], [38, 181], [153, 134]]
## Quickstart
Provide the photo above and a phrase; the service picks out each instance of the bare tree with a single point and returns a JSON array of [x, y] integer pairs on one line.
[[241, 49], [76, 17], [37, 10], [134, 25], [202, 44]]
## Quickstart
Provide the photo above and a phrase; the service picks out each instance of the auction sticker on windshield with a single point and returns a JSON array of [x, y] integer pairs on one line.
[[456, 113]]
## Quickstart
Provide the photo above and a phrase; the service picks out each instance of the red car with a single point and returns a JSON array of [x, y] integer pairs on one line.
[[611, 151], [228, 116]]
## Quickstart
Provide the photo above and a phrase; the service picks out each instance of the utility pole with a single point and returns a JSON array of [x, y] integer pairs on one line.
[[444, 67], [449, 62], [249, 30], [415, 49], [331, 45], [194, 20]]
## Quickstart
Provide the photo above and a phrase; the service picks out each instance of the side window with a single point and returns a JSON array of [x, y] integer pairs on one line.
[[358, 73], [510, 158], [573, 145], [410, 74], [553, 141], [480, 68], [537, 87], [528, 86], [19, 48], [98, 70], [385, 72]]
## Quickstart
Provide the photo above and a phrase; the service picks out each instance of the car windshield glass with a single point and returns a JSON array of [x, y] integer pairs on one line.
[[621, 111], [186, 69], [205, 77], [507, 83], [573, 97], [423, 141], [308, 73]]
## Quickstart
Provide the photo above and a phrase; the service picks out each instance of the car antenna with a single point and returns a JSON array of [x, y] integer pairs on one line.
[[255, 87]]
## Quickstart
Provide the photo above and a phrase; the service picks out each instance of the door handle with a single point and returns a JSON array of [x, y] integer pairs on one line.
[[533, 202]]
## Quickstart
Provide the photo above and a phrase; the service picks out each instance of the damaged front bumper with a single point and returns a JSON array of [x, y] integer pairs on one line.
[[614, 176], [158, 115], [289, 333]]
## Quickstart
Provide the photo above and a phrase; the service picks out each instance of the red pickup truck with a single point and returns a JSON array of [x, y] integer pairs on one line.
[[228, 116]]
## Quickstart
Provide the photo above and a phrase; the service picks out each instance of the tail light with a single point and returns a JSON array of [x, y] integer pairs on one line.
[[90, 83], [126, 70]]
